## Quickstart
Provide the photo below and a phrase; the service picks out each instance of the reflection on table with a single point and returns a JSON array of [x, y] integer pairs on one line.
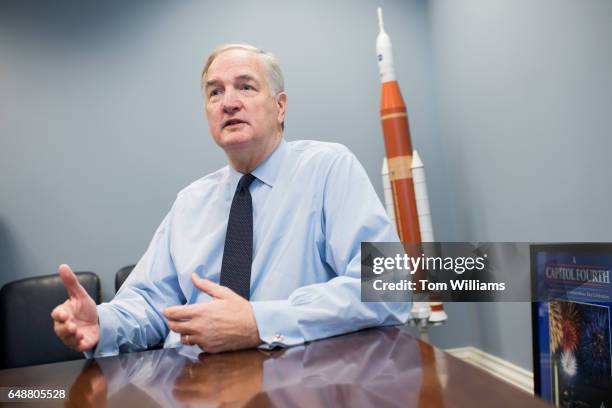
[[379, 367]]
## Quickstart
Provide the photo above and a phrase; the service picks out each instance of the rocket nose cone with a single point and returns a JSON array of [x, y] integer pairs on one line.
[[416, 160]]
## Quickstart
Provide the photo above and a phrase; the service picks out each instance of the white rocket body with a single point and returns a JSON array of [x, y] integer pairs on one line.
[[384, 52]]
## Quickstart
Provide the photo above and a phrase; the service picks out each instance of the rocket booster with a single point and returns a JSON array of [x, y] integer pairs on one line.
[[435, 309], [397, 141], [422, 198]]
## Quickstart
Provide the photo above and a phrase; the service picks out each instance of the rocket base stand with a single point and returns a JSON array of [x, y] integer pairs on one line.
[[437, 312], [437, 317], [420, 310], [423, 317], [423, 326]]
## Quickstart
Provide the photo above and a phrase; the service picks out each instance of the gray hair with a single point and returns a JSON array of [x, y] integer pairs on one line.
[[276, 83]]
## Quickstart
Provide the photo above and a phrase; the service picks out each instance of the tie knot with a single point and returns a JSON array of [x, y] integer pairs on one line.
[[245, 182]]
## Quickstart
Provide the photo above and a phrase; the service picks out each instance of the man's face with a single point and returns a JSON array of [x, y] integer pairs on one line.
[[242, 113]]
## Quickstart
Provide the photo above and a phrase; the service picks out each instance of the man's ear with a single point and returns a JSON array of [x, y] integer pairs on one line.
[[281, 102]]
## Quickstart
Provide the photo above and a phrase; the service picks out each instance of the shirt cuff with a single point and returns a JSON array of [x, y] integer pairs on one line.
[[107, 345], [277, 325]]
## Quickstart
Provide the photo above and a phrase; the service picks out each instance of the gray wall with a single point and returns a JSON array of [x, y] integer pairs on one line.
[[523, 105], [101, 121]]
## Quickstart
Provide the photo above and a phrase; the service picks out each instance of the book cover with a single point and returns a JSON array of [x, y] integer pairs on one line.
[[572, 346]]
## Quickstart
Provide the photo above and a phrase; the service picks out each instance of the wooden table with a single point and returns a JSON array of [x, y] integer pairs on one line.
[[377, 367]]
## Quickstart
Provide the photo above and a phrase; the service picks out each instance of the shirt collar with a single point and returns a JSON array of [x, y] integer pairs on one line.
[[268, 170]]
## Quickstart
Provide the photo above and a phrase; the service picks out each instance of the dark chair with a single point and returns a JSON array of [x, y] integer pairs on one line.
[[26, 327], [122, 275]]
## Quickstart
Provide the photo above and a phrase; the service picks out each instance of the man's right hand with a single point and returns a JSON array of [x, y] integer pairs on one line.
[[76, 320]]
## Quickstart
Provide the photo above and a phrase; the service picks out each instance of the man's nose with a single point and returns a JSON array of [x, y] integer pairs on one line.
[[231, 102]]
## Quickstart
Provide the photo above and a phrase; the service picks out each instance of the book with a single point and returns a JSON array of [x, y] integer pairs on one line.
[[571, 322]]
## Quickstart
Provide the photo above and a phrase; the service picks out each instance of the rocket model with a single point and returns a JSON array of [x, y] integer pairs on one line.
[[405, 189], [397, 142]]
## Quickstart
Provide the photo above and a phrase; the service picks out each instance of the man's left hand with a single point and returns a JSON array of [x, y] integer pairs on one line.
[[225, 323]]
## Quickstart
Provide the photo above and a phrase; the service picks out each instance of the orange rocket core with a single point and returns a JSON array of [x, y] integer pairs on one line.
[[436, 307], [399, 158]]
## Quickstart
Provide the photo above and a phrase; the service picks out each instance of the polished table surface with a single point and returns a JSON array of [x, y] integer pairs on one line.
[[377, 367]]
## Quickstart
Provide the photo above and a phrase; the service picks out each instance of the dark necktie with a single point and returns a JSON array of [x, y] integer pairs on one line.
[[238, 250]]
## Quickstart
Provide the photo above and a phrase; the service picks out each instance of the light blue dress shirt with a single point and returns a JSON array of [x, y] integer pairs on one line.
[[313, 205]]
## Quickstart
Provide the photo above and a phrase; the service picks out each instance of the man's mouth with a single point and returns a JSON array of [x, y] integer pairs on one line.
[[232, 122]]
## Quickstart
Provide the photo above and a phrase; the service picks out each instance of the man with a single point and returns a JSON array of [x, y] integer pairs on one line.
[[279, 228]]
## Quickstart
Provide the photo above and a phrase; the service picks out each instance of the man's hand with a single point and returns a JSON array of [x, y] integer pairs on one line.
[[89, 389], [225, 323], [223, 380], [76, 320]]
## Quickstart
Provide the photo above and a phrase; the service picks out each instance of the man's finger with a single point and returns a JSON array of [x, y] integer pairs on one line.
[[181, 312], [214, 290], [71, 327], [78, 335], [60, 329], [182, 327], [65, 336], [60, 313], [84, 344], [74, 288]]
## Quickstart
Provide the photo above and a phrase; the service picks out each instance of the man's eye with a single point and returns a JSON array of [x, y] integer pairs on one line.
[[246, 87], [214, 92]]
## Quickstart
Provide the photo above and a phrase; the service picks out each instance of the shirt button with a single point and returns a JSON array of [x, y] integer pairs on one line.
[[278, 337]]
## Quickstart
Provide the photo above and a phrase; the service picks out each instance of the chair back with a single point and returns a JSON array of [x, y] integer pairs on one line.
[[26, 326], [122, 275]]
